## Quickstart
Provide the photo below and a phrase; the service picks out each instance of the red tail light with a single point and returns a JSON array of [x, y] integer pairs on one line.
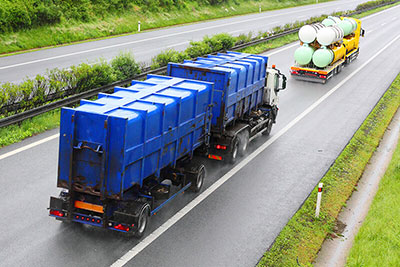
[[220, 147], [322, 76], [295, 72], [122, 227], [57, 213]]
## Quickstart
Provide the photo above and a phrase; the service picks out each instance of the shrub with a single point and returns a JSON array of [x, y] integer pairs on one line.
[[167, 56], [124, 66], [197, 49], [218, 42]]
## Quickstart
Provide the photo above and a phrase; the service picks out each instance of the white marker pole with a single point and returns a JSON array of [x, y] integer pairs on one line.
[[259, 8], [138, 26], [319, 196]]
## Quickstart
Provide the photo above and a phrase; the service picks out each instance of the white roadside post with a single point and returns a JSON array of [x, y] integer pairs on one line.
[[138, 27], [319, 196], [259, 8]]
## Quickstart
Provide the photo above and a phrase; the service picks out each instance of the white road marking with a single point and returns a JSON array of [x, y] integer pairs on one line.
[[383, 24], [153, 38], [11, 153], [174, 219], [178, 44]]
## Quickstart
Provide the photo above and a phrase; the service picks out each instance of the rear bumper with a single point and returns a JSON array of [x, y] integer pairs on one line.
[[58, 209], [309, 78]]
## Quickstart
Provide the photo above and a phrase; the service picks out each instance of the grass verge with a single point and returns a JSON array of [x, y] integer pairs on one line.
[[377, 242], [15, 133], [73, 31], [301, 239]]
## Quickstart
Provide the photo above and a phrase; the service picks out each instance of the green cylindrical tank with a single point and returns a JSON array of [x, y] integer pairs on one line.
[[303, 55], [353, 22], [323, 57], [346, 26], [329, 21]]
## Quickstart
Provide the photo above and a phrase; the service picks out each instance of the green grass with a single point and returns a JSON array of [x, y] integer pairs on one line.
[[378, 240], [111, 25], [301, 239], [15, 133]]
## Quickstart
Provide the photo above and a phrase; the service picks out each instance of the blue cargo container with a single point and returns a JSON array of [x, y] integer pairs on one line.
[[115, 142], [117, 151], [238, 80]]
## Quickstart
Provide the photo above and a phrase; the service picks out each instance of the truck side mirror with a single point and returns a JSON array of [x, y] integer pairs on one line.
[[362, 32], [282, 82]]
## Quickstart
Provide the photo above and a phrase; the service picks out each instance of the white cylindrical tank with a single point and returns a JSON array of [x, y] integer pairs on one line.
[[308, 33], [329, 21], [330, 35]]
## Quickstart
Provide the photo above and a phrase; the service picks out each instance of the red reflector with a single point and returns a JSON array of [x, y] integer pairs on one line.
[[82, 218], [87, 219], [220, 147], [295, 72], [57, 213], [322, 76], [92, 220], [98, 221], [214, 157], [319, 189], [122, 227]]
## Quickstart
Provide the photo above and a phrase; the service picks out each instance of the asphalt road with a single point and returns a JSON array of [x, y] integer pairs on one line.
[[235, 224], [146, 45]]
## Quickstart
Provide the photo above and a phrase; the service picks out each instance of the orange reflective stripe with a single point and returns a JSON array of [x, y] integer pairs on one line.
[[88, 206]]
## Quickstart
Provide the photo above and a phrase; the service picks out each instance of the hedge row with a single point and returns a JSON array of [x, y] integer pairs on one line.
[[58, 83], [370, 4]]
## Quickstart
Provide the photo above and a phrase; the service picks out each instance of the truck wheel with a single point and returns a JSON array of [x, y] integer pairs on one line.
[[197, 178], [244, 142], [232, 156], [267, 132], [143, 220]]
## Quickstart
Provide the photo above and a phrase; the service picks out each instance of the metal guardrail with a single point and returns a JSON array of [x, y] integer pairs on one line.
[[19, 117]]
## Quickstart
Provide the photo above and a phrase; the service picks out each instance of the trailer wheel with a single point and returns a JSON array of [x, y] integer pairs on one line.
[[232, 156], [244, 142], [197, 178], [143, 220]]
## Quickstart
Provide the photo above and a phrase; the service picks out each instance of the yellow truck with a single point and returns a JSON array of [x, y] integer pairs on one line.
[[325, 48]]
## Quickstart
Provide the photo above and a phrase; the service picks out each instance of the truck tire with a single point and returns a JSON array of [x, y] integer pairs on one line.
[[233, 155], [267, 132], [197, 178], [143, 220], [244, 142]]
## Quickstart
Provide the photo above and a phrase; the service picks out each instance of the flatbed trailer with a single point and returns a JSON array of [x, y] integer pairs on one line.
[[313, 74]]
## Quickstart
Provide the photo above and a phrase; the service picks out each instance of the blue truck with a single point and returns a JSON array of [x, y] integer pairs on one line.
[[125, 155]]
